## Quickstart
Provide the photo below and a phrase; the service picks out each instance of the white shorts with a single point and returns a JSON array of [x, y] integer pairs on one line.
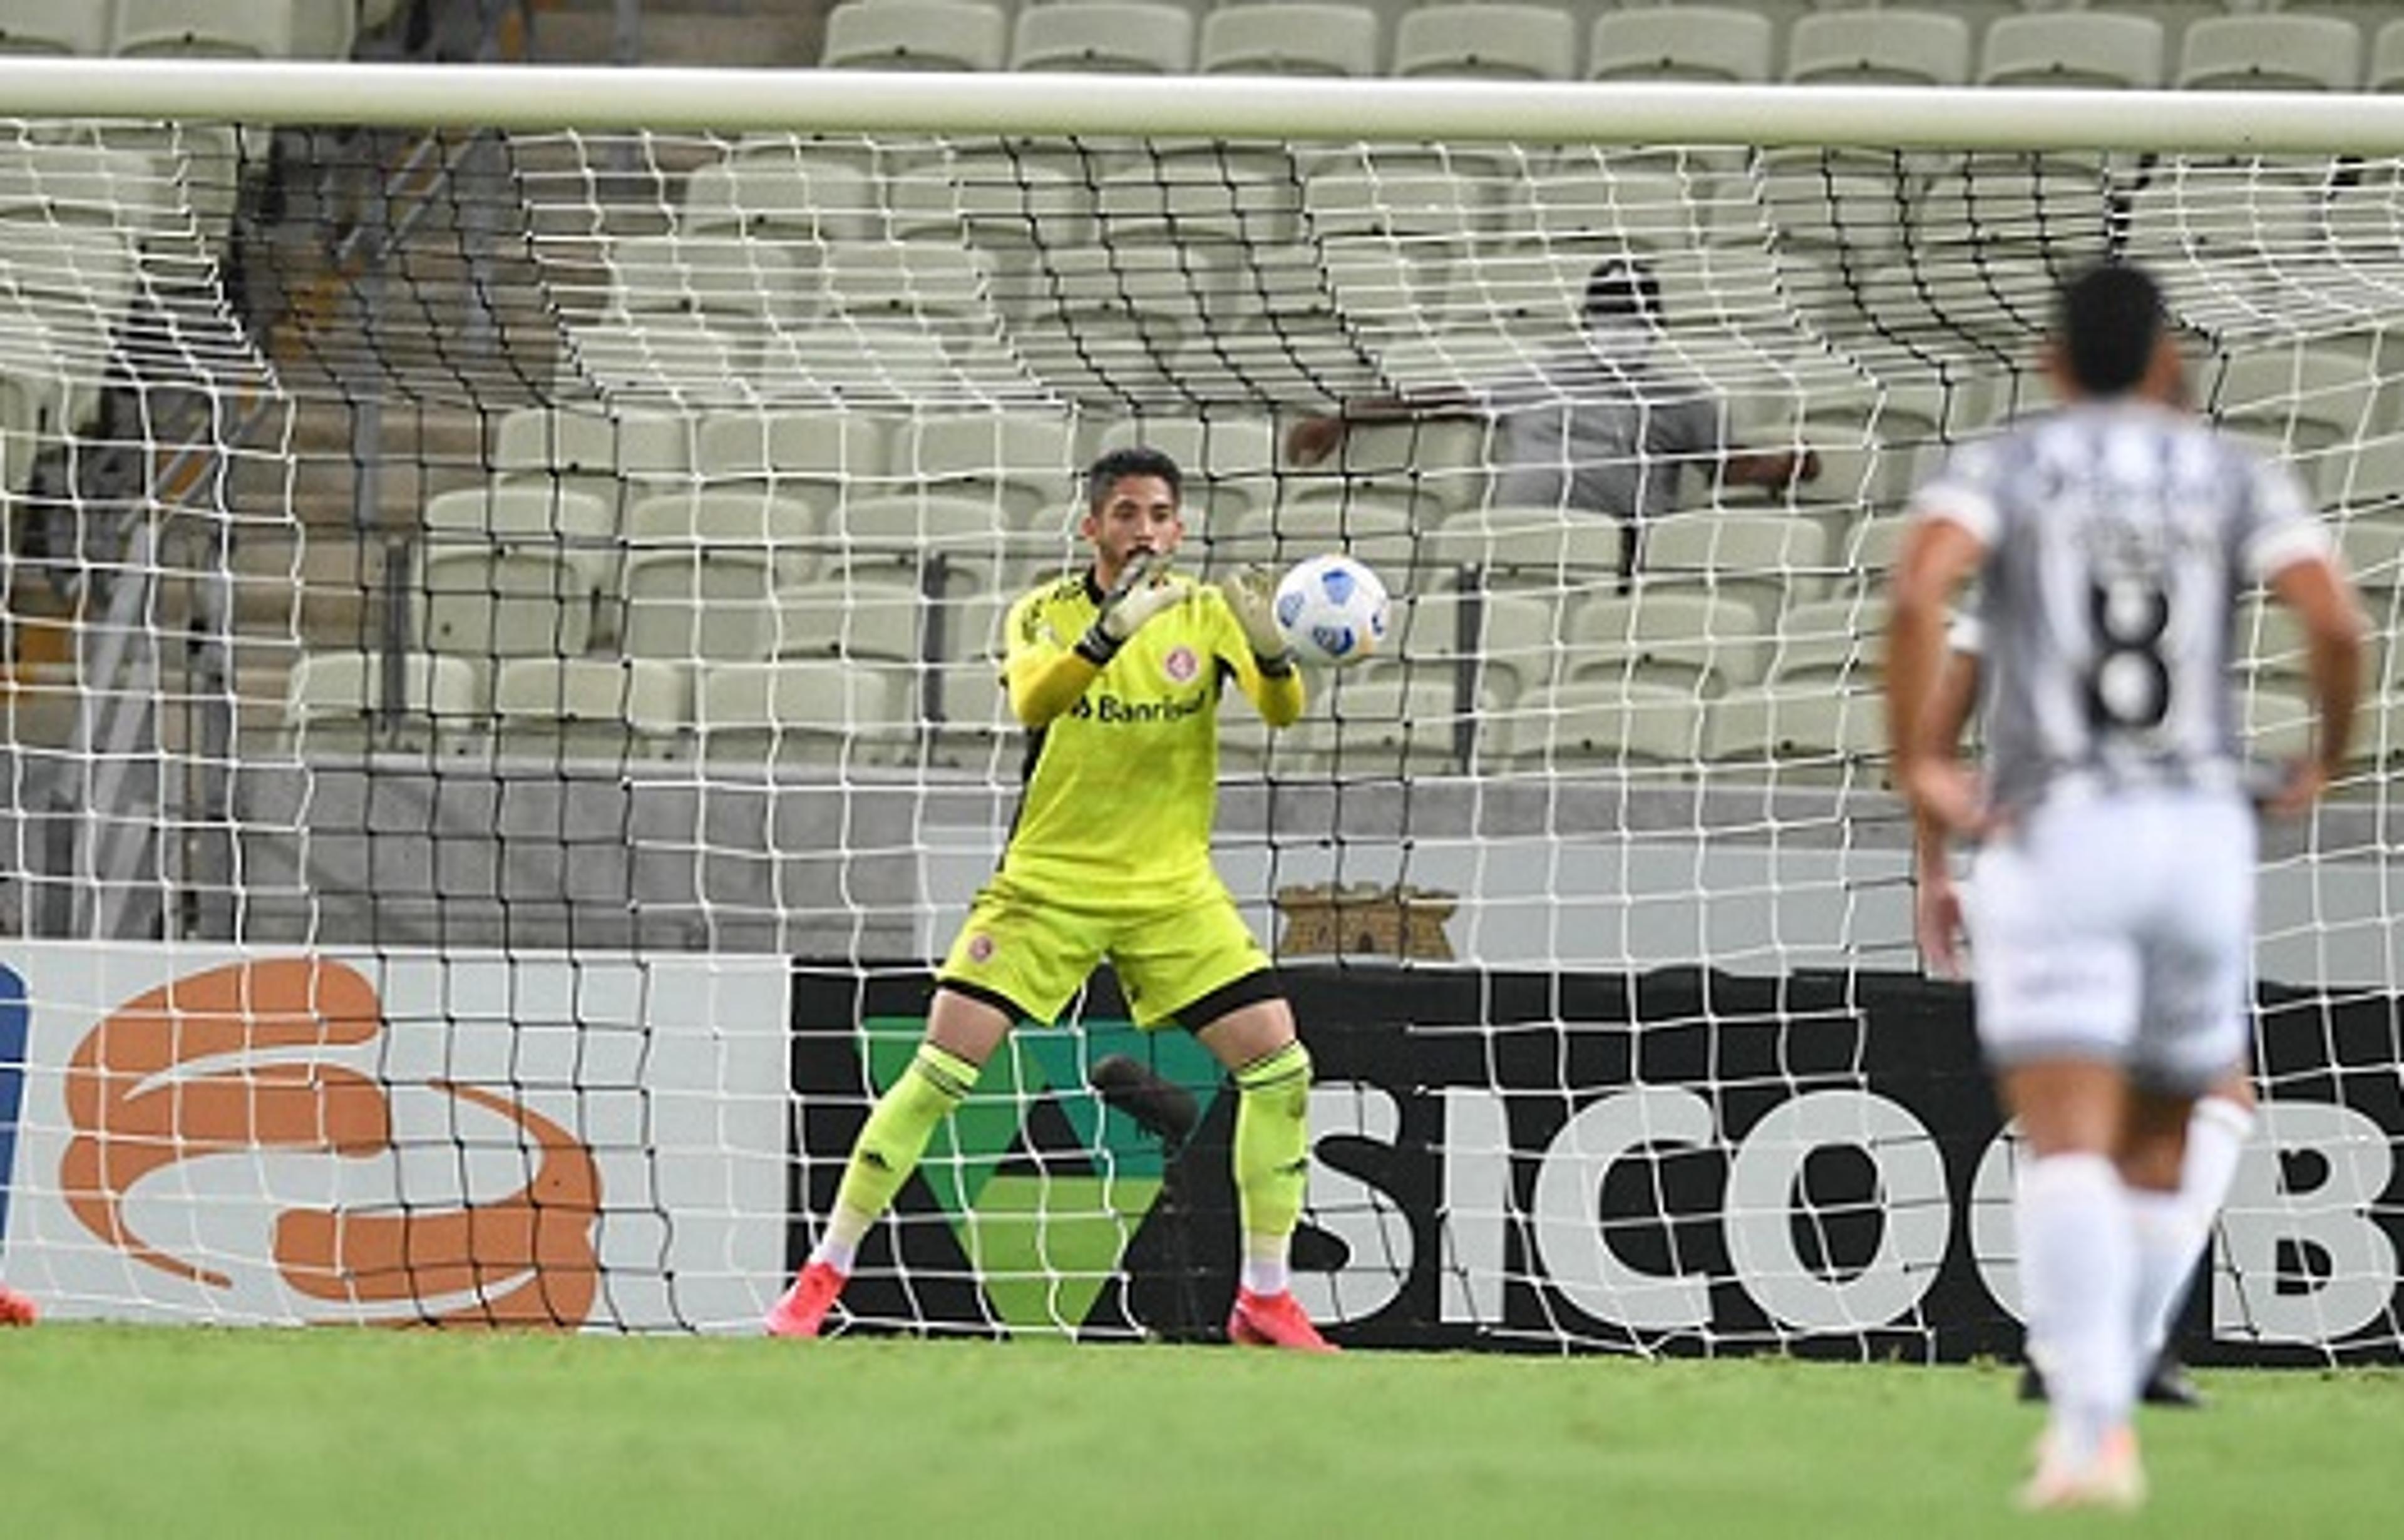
[[2119, 928]]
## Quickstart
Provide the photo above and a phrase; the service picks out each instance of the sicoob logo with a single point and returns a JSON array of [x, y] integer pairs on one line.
[[226, 1061]]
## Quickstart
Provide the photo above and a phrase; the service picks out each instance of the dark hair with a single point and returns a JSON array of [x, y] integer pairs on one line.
[[2109, 324], [1133, 460], [1622, 287]]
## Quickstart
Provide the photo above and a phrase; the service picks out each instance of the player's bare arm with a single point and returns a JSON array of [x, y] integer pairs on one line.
[[1937, 903], [1936, 559], [2323, 601], [1313, 438]]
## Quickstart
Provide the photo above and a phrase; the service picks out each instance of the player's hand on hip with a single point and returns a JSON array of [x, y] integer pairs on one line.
[[1143, 590], [2295, 791], [1252, 593], [1936, 923], [1313, 438], [1947, 790]]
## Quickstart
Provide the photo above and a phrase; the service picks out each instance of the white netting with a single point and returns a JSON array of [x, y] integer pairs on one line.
[[585, 544]]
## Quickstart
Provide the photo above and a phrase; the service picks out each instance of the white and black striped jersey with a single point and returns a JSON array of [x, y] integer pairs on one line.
[[2119, 537]]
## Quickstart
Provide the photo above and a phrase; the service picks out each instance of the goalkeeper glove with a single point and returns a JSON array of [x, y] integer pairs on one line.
[[1143, 590], [1252, 593]]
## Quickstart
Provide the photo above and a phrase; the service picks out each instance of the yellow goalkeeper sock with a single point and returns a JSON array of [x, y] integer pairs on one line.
[[1272, 1148], [889, 1146]]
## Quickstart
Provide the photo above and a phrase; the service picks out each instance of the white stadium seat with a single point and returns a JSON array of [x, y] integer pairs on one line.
[[1894, 47], [917, 35], [1297, 38], [1724, 43], [1103, 36], [2271, 52], [54, 26], [1492, 42]]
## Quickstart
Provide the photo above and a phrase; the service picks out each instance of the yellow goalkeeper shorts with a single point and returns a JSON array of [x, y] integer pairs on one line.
[[1036, 952]]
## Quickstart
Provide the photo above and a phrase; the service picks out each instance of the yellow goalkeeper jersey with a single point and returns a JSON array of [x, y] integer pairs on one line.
[[1122, 787]]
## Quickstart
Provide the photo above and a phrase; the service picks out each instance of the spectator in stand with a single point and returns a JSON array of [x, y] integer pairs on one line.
[[1595, 424]]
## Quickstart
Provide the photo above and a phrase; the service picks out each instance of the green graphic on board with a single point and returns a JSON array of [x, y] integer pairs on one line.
[[1044, 1186]]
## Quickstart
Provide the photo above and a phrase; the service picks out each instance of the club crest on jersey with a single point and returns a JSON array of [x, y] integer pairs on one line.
[[1181, 665], [979, 947]]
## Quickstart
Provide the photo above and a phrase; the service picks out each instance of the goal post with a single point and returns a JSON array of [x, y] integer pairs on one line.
[[505, 571]]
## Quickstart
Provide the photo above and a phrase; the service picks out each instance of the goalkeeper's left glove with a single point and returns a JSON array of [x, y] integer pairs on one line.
[[1252, 593]]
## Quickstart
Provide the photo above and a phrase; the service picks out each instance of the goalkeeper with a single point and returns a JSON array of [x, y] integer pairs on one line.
[[1117, 672]]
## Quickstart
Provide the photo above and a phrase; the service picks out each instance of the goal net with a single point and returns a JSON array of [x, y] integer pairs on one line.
[[502, 702]]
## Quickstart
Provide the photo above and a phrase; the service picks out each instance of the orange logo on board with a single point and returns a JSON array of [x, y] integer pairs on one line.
[[191, 1069]]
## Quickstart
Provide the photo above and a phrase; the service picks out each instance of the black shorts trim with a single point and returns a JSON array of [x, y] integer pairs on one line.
[[1253, 988], [983, 996]]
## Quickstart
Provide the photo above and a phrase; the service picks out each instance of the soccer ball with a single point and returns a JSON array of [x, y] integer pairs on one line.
[[1331, 609]]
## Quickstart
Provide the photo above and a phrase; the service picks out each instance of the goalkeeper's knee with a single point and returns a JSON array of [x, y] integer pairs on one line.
[[1272, 1139]]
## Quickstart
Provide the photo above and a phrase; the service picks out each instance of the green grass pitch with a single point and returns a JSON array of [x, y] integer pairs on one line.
[[110, 1431]]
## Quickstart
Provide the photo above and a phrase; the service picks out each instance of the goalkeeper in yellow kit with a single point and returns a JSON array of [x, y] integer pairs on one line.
[[1116, 673]]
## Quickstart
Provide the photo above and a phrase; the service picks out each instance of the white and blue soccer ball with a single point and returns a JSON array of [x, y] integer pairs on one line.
[[1331, 609]]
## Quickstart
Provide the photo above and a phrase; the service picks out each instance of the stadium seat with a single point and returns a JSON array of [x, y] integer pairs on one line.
[[2368, 480], [2274, 721], [891, 367], [816, 458], [1281, 38], [816, 711], [1724, 43], [703, 569], [850, 619], [588, 709], [512, 570], [976, 728], [915, 284], [1806, 730], [1181, 196], [1376, 531], [1488, 41], [333, 704], [1886, 47], [2312, 399], [1229, 460], [1513, 642], [221, 29], [1834, 643], [610, 452], [916, 35], [1595, 206], [689, 359], [895, 537], [1026, 464], [783, 201], [325, 29], [1698, 641], [1759, 559], [1104, 37], [53, 26], [1530, 548], [2387, 72], [684, 606], [1401, 203], [2271, 52], [736, 283], [2090, 48], [1004, 198], [1433, 467], [125, 190], [1599, 723], [1375, 722]]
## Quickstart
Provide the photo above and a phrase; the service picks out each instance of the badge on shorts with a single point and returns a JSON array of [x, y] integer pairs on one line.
[[1180, 665], [979, 947]]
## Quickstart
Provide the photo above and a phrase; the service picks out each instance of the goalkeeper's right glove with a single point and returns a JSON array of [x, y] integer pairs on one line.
[[1143, 590]]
